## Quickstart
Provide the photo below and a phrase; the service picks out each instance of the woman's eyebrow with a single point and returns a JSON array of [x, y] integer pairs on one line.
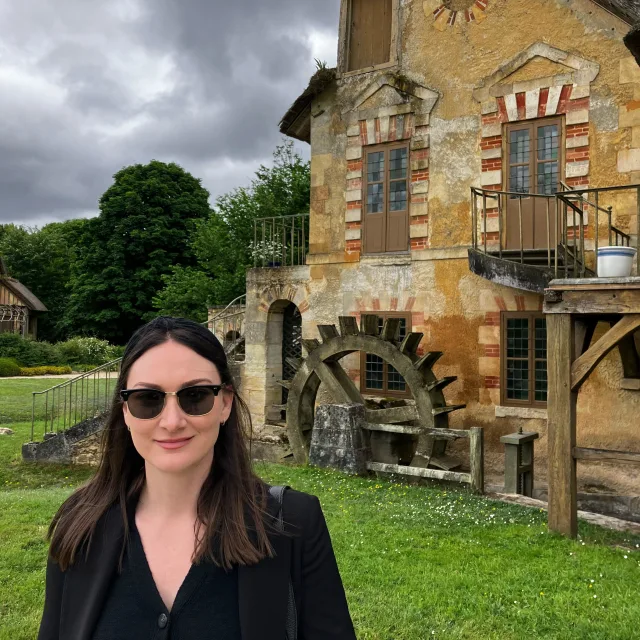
[[190, 383]]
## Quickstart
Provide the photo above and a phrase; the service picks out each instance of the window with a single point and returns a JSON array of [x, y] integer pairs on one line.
[[386, 199], [377, 377], [533, 165], [524, 359], [534, 156], [370, 27]]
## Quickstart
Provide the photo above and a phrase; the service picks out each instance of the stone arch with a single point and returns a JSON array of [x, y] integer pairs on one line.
[[275, 361]]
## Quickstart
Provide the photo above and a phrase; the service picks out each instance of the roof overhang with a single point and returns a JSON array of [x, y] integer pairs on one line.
[[296, 123], [23, 293]]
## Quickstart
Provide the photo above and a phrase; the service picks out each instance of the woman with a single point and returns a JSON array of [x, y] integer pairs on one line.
[[175, 537]]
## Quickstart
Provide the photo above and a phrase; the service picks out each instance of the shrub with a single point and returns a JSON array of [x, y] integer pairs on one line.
[[44, 371], [28, 352], [86, 350], [9, 367]]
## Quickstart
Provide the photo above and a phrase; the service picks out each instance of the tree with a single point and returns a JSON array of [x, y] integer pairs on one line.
[[221, 242], [41, 259], [144, 229]]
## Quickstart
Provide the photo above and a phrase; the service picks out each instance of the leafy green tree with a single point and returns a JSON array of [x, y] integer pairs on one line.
[[221, 242], [186, 293], [144, 229], [41, 259]]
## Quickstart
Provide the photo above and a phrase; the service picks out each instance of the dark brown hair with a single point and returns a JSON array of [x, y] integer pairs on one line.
[[232, 501]]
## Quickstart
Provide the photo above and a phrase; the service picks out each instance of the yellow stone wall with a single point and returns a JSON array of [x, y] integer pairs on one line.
[[450, 84]]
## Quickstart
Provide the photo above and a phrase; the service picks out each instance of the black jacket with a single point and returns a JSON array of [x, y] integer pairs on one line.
[[74, 598]]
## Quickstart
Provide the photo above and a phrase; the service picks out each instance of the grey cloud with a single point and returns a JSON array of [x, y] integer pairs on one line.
[[88, 87]]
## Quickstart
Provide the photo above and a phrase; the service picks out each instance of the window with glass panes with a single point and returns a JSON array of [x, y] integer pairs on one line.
[[524, 359], [386, 198], [534, 156], [376, 376]]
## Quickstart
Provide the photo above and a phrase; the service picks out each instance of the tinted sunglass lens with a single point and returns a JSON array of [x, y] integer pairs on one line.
[[196, 401], [146, 404]]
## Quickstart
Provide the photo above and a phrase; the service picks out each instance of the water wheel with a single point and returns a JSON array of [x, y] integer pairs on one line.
[[322, 365]]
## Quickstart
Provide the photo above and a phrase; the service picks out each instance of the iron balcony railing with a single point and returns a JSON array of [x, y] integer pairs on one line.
[[603, 202], [86, 396], [566, 228], [228, 327], [282, 241]]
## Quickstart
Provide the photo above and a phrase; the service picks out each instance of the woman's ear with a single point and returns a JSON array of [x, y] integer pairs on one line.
[[227, 404]]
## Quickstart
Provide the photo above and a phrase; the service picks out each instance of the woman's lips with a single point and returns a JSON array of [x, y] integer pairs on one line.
[[174, 444]]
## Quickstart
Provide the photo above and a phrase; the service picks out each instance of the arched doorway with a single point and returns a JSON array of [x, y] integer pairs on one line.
[[291, 342]]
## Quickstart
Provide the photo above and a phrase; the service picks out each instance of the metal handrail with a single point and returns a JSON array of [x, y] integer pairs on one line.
[[230, 321], [286, 236], [499, 196], [67, 409]]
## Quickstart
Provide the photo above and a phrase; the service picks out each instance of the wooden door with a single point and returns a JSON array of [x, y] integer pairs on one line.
[[386, 203], [533, 166]]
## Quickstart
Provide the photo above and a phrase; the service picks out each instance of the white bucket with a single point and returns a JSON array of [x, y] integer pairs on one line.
[[615, 262]]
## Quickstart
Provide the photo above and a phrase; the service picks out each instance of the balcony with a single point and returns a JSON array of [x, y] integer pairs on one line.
[[281, 241], [525, 240]]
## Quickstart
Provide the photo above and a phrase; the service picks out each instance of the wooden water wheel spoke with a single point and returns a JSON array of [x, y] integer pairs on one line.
[[322, 366], [392, 415]]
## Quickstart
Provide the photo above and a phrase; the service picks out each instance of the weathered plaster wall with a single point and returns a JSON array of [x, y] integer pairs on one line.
[[457, 83]]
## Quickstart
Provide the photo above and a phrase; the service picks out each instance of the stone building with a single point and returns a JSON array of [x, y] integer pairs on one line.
[[441, 147]]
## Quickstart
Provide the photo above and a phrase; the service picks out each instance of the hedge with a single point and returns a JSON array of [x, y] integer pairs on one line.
[[9, 368], [44, 371]]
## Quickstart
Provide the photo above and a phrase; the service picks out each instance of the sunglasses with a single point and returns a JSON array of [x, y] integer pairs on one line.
[[146, 404]]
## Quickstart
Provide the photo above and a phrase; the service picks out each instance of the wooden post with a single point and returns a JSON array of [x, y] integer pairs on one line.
[[563, 514], [476, 459]]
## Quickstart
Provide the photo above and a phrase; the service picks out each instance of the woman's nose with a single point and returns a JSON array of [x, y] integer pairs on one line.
[[172, 416]]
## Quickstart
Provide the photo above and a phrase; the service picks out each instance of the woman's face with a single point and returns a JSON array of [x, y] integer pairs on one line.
[[176, 442]]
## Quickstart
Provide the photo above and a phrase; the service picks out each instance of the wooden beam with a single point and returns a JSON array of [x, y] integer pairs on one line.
[[588, 361], [311, 345], [439, 411], [580, 453], [391, 329], [584, 330], [446, 434], [442, 383], [369, 324], [348, 326], [596, 301], [419, 472], [327, 331], [392, 415], [476, 459], [411, 342], [428, 360], [393, 428], [561, 429], [629, 356]]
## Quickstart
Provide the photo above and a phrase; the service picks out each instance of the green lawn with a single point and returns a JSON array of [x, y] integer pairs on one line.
[[417, 562]]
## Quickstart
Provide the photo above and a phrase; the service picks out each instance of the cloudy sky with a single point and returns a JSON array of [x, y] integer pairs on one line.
[[88, 86]]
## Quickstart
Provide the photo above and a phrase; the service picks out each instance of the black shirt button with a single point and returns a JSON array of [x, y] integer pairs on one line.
[[162, 621]]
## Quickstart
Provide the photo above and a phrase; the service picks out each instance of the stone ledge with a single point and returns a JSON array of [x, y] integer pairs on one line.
[[60, 448], [608, 522], [399, 259], [530, 413]]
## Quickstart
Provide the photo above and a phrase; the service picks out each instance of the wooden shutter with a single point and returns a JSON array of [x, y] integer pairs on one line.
[[370, 33]]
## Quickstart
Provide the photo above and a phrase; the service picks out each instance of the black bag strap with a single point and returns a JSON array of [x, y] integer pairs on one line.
[[291, 627]]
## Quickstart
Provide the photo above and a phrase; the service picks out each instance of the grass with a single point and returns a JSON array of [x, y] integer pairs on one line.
[[417, 562]]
